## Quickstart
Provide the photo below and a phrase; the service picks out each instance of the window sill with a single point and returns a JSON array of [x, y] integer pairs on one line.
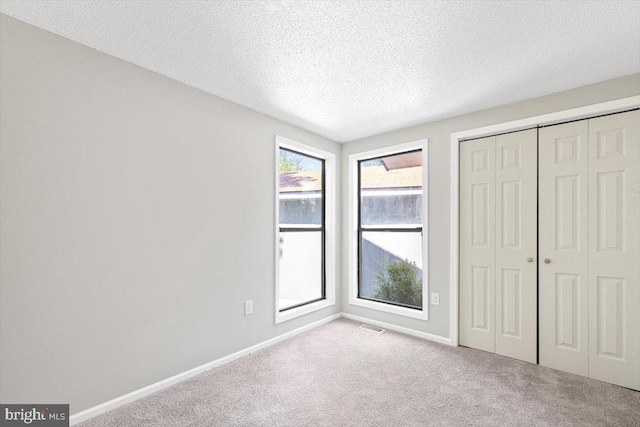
[[388, 308], [302, 310]]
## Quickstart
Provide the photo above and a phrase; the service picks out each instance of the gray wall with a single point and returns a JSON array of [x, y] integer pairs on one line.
[[439, 134], [136, 217]]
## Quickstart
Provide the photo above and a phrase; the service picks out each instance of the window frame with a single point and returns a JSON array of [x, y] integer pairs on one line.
[[355, 229], [311, 228], [327, 228]]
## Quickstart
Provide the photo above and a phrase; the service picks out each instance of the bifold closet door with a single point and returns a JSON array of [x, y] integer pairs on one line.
[[498, 193], [563, 242], [477, 244], [589, 241], [516, 245], [614, 249]]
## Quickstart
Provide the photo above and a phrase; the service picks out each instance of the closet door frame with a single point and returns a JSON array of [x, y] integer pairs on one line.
[[609, 107]]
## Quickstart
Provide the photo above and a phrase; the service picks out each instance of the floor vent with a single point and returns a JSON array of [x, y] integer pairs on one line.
[[372, 328]]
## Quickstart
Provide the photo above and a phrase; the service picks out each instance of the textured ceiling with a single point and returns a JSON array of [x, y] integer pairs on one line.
[[347, 70]]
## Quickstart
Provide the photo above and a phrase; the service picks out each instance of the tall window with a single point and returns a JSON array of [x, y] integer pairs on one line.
[[302, 228], [390, 261], [301, 195]]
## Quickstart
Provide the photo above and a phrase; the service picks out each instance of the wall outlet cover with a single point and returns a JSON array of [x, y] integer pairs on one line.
[[248, 307], [435, 298]]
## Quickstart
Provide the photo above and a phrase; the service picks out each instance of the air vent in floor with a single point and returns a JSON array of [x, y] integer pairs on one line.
[[372, 328]]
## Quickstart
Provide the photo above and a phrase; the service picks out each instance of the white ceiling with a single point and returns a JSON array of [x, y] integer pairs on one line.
[[348, 70]]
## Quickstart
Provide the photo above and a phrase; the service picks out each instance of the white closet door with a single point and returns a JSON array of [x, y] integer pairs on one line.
[[563, 240], [614, 253], [516, 245], [477, 243]]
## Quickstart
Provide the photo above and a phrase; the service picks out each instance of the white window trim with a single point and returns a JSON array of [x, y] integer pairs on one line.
[[330, 230], [353, 230]]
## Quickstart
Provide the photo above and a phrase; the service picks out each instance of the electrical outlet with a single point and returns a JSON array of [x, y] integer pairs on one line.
[[435, 298], [248, 307]]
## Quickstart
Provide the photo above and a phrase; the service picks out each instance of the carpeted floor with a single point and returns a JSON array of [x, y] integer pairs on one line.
[[340, 375]]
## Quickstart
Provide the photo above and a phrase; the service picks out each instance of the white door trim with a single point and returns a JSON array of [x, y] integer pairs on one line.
[[614, 106]]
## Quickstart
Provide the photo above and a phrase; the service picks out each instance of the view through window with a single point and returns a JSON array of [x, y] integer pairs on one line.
[[301, 204], [390, 229]]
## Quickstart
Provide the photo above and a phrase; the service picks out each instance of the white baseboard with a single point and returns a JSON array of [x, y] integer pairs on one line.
[[145, 391], [402, 330]]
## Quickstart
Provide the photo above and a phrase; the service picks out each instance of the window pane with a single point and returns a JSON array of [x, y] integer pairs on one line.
[[300, 267], [392, 209], [391, 267], [391, 190], [300, 189], [298, 211]]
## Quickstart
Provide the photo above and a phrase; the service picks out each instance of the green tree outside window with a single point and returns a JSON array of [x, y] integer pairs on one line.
[[398, 282]]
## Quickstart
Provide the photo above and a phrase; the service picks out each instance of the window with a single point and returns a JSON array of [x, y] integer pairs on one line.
[[387, 214], [301, 195], [304, 238]]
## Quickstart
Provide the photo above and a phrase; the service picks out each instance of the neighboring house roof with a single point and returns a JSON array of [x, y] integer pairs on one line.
[[404, 160], [373, 177], [299, 181], [377, 177]]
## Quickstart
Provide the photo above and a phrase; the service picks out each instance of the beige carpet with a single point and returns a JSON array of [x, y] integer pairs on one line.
[[339, 375]]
